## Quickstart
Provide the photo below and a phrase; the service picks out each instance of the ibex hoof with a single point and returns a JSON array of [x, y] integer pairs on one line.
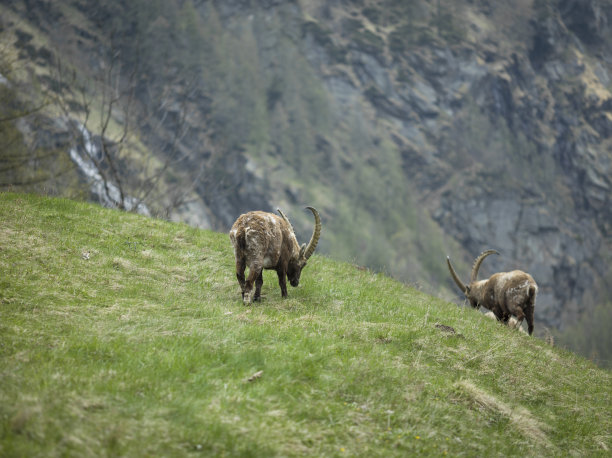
[[248, 298]]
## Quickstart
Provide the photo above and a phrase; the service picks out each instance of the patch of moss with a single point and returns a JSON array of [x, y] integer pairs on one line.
[[369, 41], [323, 37], [373, 14]]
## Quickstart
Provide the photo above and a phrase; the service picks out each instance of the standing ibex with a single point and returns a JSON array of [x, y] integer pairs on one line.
[[266, 241], [504, 293]]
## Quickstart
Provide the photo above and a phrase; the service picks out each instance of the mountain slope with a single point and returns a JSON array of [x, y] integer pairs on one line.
[[418, 129], [125, 335]]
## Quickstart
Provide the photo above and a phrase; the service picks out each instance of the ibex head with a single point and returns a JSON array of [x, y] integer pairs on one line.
[[299, 260]]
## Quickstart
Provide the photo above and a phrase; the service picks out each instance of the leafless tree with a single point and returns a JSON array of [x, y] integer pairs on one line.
[[104, 117]]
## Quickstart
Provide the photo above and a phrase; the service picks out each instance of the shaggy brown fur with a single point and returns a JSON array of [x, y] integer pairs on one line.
[[266, 241], [506, 294]]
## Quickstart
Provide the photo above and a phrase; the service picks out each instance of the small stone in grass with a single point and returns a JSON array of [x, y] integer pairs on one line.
[[255, 376]]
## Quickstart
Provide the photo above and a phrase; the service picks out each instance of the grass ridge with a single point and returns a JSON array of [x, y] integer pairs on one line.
[[519, 417]]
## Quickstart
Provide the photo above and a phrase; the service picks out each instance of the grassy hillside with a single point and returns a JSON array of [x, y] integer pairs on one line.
[[122, 335]]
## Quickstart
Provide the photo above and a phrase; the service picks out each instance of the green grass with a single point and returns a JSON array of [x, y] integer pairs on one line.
[[122, 335]]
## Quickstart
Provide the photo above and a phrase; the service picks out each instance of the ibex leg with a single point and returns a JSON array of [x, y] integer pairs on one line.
[[254, 273], [282, 282], [258, 284], [240, 266]]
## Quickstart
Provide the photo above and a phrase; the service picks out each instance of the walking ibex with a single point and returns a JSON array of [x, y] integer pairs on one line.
[[504, 293], [266, 241]]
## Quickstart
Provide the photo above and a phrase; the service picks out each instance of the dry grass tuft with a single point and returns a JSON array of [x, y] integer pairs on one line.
[[122, 263], [519, 417]]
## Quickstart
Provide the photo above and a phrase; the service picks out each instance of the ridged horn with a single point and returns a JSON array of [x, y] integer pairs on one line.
[[315, 235], [461, 286], [285, 218], [477, 263]]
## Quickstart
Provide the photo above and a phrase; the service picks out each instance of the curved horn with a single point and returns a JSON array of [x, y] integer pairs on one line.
[[286, 219], [461, 286], [477, 263], [315, 235]]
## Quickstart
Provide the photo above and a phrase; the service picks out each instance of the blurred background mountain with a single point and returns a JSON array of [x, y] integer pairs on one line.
[[418, 129]]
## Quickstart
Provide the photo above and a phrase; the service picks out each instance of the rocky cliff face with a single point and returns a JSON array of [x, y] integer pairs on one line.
[[508, 138], [449, 126]]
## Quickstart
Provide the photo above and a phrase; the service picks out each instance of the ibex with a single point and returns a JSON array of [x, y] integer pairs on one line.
[[504, 293], [266, 241]]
